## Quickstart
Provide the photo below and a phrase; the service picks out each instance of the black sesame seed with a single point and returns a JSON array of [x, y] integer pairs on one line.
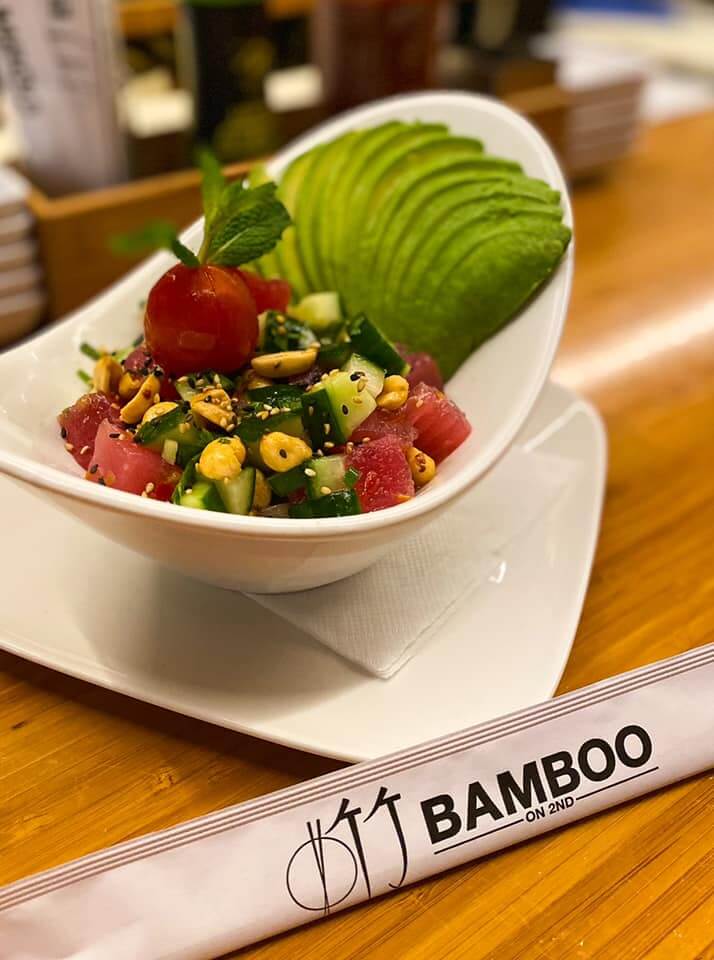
[[102, 482], [63, 433], [356, 375], [345, 409], [94, 468], [284, 454], [114, 436]]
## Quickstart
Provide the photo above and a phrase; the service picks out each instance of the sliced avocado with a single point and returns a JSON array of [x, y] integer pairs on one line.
[[310, 199], [389, 193], [365, 176], [287, 263], [428, 196], [492, 273], [450, 215]]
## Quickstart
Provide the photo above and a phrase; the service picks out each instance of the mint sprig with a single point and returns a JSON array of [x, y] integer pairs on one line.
[[247, 223], [241, 223]]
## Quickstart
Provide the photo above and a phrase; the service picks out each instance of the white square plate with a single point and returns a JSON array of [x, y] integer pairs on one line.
[[102, 613]]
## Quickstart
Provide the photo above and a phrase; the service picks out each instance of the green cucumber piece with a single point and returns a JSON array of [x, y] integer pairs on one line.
[[283, 484], [202, 496], [252, 428], [336, 409], [319, 311], [332, 356], [358, 366], [168, 427], [344, 503], [237, 494], [285, 333], [329, 472], [187, 389], [276, 395], [370, 342]]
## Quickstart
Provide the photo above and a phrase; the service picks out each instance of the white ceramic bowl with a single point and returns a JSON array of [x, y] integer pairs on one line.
[[497, 388]]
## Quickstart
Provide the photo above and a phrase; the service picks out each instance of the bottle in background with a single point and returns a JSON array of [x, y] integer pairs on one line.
[[226, 53], [368, 49], [60, 66]]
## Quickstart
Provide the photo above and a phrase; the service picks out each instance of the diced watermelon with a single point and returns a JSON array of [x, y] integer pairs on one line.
[[125, 465], [384, 475], [383, 423], [441, 426], [80, 422], [424, 368], [141, 362]]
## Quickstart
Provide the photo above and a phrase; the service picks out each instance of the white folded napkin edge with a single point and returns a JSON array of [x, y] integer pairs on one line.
[[379, 618]]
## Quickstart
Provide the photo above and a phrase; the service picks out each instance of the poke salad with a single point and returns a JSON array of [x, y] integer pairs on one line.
[[271, 378]]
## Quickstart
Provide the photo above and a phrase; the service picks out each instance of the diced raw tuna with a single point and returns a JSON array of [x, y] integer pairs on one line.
[[441, 426], [424, 368], [383, 423], [125, 465], [141, 362], [268, 294], [80, 422], [384, 475]]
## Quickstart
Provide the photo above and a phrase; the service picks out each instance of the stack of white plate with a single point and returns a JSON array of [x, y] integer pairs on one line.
[[22, 297]]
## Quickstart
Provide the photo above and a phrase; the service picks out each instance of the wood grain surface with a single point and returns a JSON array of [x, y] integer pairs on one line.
[[81, 768]]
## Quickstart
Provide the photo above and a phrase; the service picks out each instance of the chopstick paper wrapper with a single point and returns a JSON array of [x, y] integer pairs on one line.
[[228, 879]]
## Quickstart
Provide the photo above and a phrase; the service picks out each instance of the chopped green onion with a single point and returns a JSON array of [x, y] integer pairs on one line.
[[84, 376], [351, 477], [89, 351]]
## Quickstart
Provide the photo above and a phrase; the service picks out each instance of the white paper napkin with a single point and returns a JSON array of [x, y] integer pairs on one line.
[[379, 618]]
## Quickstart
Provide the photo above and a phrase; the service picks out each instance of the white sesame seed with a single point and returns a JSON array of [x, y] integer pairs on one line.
[[326, 428], [420, 402], [325, 490], [149, 488], [309, 472], [85, 449], [329, 444], [69, 446]]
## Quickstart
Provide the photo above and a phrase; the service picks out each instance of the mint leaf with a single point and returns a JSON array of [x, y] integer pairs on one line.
[[157, 235], [248, 223], [212, 185]]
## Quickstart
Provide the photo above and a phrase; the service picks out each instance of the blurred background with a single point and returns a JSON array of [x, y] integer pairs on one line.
[[102, 102]]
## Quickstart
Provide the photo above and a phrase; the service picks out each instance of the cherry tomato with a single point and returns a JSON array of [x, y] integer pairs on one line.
[[200, 318], [268, 294]]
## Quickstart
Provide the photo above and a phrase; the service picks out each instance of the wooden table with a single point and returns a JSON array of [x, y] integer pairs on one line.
[[82, 768]]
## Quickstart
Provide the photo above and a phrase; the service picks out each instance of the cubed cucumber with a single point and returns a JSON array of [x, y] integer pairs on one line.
[[344, 503], [187, 387], [358, 366], [252, 428], [329, 475], [336, 409], [191, 440], [285, 483], [276, 395], [318, 310], [237, 494], [333, 354], [202, 496], [285, 333], [371, 343]]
